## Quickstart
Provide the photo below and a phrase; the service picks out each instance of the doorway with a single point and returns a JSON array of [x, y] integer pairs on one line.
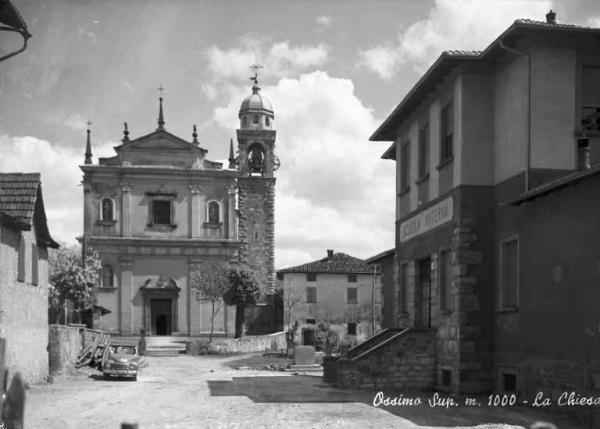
[[423, 295], [308, 337], [160, 316]]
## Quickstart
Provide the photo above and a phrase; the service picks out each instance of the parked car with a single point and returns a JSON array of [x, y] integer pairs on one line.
[[123, 361]]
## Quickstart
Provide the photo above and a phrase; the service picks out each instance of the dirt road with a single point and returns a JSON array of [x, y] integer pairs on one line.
[[202, 392]]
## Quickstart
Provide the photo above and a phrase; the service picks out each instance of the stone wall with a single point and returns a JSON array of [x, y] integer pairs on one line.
[[256, 229], [407, 362], [64, 343], [249, 344], [23, 308]]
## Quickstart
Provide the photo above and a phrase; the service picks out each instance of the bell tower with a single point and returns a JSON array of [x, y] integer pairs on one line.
[[256, 186]]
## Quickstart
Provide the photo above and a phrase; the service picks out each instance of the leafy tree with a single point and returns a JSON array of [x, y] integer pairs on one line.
[[242, 292], [72, 280], [211, 281]]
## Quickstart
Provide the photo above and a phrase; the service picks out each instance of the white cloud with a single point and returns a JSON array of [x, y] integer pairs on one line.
[[278, 59], [76, 122], [60, 175], [324, 20], [333, 190], [457, 24]]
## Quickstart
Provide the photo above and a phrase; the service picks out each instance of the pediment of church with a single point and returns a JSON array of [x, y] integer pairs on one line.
[[158, 141]]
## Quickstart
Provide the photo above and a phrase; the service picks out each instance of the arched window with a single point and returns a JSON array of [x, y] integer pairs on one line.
[[214, 212], [255, 119], [108, 276], [244, 121], [256, 158], [107, 209], [267, 121]]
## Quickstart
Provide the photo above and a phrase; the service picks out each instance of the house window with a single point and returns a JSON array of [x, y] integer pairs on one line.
[[161, 212], [446, 378], [351, 278], [352, 328], [279, 276], [21, 262], [509, 272], [107, 209], [214, 212], [424, 151], [404, 166], [445, 281], [447, 133], [311, 277], [509, 382], [590, 98], [311, 294], [34, 263], [402, 295], [311, 321], [108, 276], [352, 295]]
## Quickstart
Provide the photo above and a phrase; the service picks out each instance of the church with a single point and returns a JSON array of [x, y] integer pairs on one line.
[[159, 210]]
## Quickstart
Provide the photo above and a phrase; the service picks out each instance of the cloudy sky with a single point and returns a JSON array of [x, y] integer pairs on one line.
[[332, 69]]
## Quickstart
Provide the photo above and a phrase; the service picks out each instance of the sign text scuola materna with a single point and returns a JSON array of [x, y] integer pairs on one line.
[[434, 216]]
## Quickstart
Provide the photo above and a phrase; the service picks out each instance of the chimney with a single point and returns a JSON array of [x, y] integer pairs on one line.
[[329, 253], [551, 17]]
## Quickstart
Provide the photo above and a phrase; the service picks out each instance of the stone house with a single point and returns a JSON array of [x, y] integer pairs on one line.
[[24, 243], [496, 219], [338, 290], [159, 209]]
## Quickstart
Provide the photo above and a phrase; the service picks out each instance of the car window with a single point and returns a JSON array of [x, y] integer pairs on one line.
[[123, 350]]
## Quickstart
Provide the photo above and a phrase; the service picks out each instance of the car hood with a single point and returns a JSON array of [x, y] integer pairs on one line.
[[123, 358]]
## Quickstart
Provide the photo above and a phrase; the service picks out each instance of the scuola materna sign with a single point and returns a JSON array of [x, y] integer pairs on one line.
[[434, 216]]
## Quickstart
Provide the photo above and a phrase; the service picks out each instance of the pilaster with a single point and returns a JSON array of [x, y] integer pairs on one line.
[[126, 297], [126, 209], [231, 220], [195, 210], [193, 319]]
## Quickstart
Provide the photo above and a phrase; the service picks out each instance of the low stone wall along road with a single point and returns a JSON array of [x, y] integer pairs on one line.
[[206, 392]]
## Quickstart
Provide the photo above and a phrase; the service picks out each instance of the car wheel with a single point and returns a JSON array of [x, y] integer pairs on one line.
[[106, 376]]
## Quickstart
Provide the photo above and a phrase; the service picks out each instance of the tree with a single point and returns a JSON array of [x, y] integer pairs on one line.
[[72, 280], [241, 292], [291, 297], [211, 281]]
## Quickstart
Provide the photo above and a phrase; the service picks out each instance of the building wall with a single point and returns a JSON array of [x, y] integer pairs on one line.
[[132, 205], [553, 107], [23, 307], [558, 277], [332, 306], [511, 119], [256, 208]]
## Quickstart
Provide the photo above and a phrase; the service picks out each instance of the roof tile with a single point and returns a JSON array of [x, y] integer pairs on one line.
[[18, 192], [339, 263]]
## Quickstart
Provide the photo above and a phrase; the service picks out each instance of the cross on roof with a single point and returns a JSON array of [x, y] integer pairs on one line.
[[255, 68], [89, 123], [160, 90]]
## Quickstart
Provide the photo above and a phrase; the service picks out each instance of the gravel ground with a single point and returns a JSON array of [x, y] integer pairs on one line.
[[203, 392]]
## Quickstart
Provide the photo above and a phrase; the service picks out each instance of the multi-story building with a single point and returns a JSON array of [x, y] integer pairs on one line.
[[496, 214], [159, 210], [340, 291], [24, 243]]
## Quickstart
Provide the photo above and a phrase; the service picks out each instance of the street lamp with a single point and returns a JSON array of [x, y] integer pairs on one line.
[[11, 18]]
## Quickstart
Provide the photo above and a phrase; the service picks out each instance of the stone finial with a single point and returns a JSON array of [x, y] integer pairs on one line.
[[231, 155], [88, 145], [125, 132], [551, 17], [161, 118], [195, 135]]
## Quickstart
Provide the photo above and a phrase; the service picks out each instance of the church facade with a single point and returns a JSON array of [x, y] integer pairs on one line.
[[159, 210]]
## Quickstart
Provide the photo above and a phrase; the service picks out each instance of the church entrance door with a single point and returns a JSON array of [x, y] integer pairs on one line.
[[160, 316]]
